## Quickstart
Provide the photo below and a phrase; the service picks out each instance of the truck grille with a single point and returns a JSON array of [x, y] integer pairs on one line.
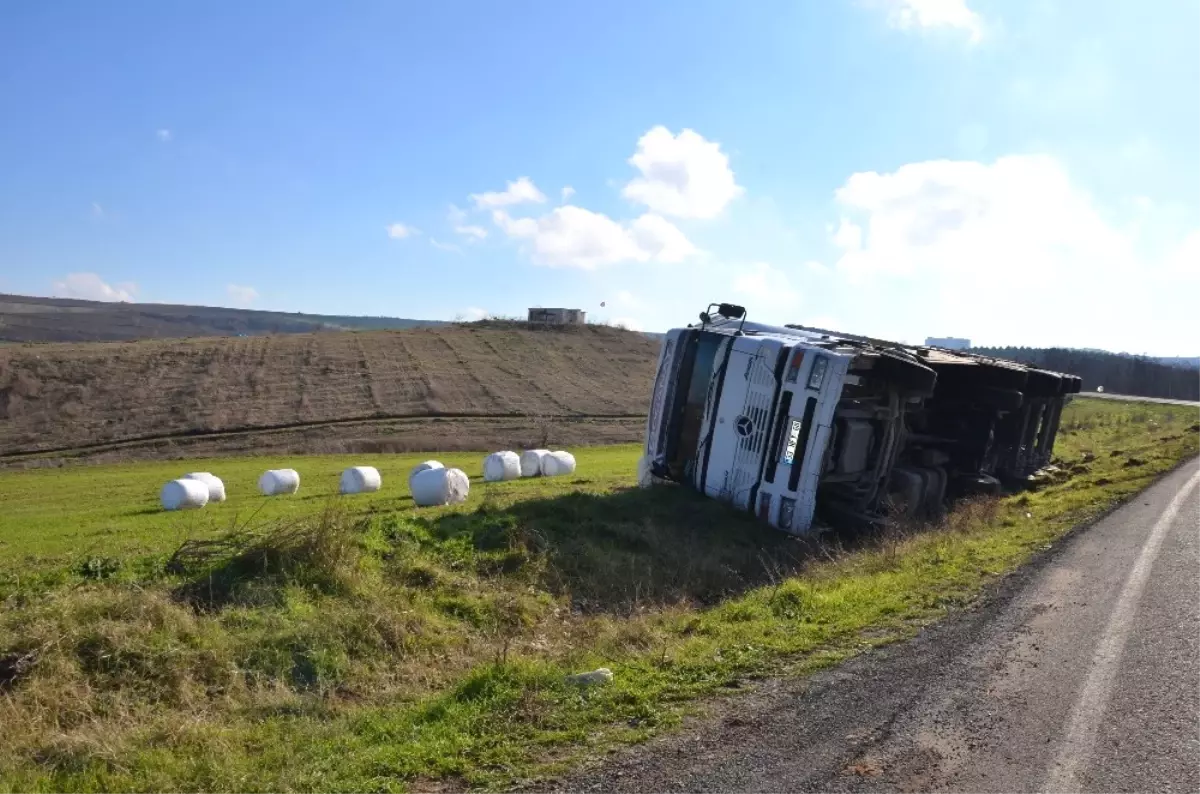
[[752, 426]]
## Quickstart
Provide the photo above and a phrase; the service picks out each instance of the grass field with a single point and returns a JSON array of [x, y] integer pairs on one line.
[[54, 514], [361, 644]]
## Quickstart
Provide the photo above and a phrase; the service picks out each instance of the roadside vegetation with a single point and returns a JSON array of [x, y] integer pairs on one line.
[[361, 644]]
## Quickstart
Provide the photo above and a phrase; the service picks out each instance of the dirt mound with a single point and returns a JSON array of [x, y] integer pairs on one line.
[[68, 396]]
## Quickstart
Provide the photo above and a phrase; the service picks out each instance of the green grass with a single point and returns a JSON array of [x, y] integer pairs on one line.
[[359, 644], [54, 514]]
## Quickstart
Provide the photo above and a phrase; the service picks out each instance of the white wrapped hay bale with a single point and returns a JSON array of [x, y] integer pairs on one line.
[[558, 463], [216, 488], [500, 466], [433, 487], [531, 462], [184, 494], [275, 482], [360, 479], [420, 467]]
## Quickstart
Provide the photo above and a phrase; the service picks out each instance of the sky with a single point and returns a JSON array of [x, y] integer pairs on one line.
[[1020, 172]]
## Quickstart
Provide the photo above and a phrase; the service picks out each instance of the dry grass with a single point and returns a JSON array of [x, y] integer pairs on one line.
[[67, 396]]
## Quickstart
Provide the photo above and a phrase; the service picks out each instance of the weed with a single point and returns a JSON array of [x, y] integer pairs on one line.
[[362, 644]]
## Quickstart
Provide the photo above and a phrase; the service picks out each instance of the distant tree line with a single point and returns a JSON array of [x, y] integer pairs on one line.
[[1118, 373]]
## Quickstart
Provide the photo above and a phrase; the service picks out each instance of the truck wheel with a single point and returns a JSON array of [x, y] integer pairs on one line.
[[908, 374], [984, 373], [996, 399], [1044, 384]]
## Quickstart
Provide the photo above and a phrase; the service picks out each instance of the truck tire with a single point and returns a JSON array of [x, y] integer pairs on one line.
[[996, 399], [1043, 383], [983, 374]]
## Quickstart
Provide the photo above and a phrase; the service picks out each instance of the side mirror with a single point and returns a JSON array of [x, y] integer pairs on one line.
[[704, 318]]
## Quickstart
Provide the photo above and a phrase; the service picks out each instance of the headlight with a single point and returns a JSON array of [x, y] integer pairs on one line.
[[817, 376], [786, 508]]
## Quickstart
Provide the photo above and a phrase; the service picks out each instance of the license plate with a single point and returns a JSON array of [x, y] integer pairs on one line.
[[789, 453]]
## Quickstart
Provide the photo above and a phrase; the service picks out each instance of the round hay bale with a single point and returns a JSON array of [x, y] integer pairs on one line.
[[433, 487], [183, 494], [276, 482], [216, 488], [360, 479], [558, 463], [420, 467], [500, 466], [531, 462]]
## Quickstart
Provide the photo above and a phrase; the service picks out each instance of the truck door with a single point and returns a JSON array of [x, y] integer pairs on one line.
[[738, 417]]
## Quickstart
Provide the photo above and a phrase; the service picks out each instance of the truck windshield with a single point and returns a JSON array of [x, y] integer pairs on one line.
[[696, 371]]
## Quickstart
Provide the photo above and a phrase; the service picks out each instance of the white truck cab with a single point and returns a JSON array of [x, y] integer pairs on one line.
[[743, 414]]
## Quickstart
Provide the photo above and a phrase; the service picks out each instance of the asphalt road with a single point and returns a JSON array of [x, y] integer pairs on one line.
[[1131, 398], [1081, 673]]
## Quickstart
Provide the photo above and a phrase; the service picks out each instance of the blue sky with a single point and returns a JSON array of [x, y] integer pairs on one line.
[[1017, 171]]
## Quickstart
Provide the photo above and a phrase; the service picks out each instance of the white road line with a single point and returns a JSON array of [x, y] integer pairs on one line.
[[1093, 699]]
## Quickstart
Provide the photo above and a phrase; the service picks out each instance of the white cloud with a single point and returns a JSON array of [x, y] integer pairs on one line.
[[915, 14], [763, 285], [444, 246], [474, 313], [848, 236], [628, 323], [523, 191], [471, 232], [1020, 214], [567, 192], [683, 175], [458, 220], [570, 236], [241, 295], [823, 321], [1185, 260], [399, 231], [1008, 252], [89, 286], [573, 237], [163, 135], [661, 239], [97, 210], [627, 298]]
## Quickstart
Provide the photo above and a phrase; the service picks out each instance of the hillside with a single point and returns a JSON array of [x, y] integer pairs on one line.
[[442, 387], [32, 319]]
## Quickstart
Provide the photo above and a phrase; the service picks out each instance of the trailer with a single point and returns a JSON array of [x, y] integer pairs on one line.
[[793, 422]]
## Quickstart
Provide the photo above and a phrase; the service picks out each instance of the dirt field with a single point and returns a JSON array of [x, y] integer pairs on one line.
[[429, 388]]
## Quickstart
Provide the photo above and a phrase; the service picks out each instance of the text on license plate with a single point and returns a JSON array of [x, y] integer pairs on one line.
[[793, 439]]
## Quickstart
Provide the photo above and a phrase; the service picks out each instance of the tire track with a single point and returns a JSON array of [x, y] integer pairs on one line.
[[258, 429]]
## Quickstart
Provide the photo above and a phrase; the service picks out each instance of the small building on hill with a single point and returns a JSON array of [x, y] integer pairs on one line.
[[557, 316], [947, 342]]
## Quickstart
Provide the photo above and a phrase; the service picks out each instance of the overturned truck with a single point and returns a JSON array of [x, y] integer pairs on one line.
[[795, 423]]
